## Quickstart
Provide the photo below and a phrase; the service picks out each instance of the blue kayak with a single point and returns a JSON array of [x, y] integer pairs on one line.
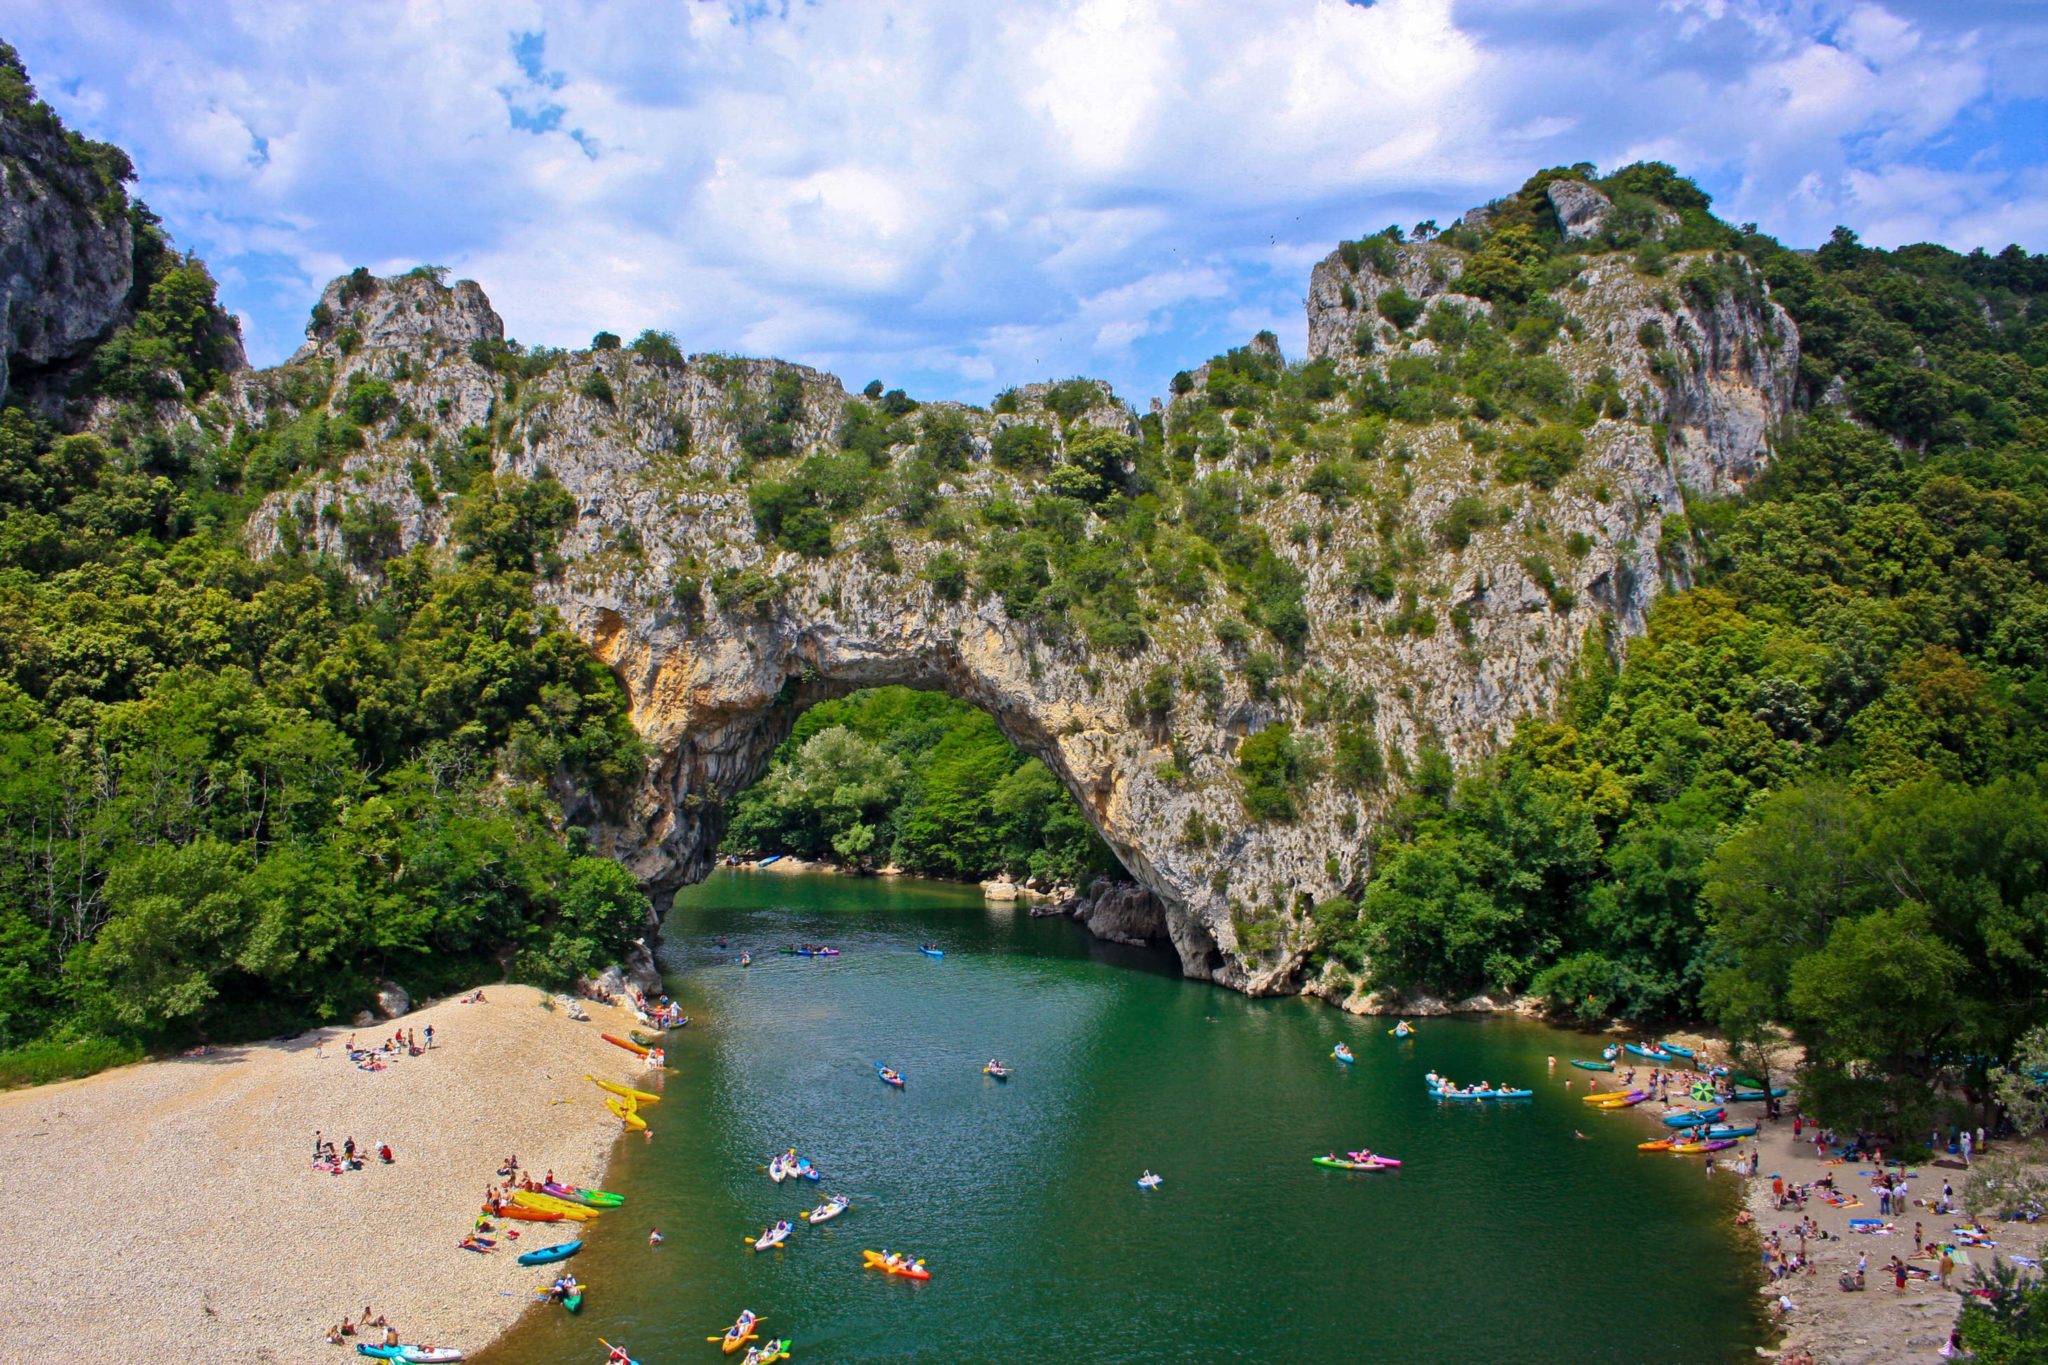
[[561, 1251], [1752, 1096], [931, 952], [381, 1352], [1654, 1056], [1675, 1050], [1693, 1118], [1731, 1130]]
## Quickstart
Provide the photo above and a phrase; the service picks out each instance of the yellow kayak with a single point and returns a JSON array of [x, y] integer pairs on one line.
[[625, 1110], [624, 1091], [547, 1203]]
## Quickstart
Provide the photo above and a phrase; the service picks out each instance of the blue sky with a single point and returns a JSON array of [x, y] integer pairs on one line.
[[955, 197]]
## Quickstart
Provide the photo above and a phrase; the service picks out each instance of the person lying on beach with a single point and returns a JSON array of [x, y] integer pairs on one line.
[[334, 1336]]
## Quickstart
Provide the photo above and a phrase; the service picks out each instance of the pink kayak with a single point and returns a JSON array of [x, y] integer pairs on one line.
[[1372, 1159]]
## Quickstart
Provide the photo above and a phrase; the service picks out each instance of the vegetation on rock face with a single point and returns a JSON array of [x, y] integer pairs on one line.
[[234, 794], [1815, 794], [920, 780]]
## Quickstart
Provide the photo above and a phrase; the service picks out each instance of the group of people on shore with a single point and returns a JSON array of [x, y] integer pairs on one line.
[[403, 1042], [330, 1160], [339, 1334]]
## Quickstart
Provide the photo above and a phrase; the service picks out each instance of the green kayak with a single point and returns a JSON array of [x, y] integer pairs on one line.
[[574, 1302], [1592, 1066]]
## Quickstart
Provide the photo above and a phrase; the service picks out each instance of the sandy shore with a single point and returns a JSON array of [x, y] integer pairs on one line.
[[168, 1211], [1877, 1326]]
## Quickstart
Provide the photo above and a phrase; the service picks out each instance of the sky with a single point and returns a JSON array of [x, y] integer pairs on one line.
[[954, 196]]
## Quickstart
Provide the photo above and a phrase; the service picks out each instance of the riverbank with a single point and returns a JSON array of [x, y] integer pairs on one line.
[[169, 1210]]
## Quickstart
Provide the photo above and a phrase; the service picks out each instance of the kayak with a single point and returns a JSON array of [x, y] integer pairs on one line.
[[625, 1110], [905, 1266], [595, 1199], [1592, 1066], [1150, 1182], [805, 1169], [1343, 1054], [547, 1255], [523, 1213], [1660, 1145], [1340, 1163], [770, 1353], [1675, 1050], [625, 1092], [1710, 1145], [1628, 1101], [828, 1210], [653, 1040], [888, 1077], [778, 1169], [1001, 1073], [817, 952], [1483, 1094], [1653, 1055], [1610, 1096], [636, 1049], [547, 1203], [1757, 1096], [1693, 1118], [380, 1352], [428, 1355], [1732, 1130], [741, 1332], [1401, 1031], [746, 959], [1374, 1157], [931, 952], [775, 1236], [573, 1302]]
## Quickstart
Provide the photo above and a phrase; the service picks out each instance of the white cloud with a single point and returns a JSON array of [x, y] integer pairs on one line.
[[961, 197]]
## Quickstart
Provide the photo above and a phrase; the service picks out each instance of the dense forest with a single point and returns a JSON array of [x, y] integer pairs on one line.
[[920, 780], [234, 794], [1814, 795]]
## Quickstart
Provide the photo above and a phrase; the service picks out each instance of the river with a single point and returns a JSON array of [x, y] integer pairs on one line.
[[1503, 1238]]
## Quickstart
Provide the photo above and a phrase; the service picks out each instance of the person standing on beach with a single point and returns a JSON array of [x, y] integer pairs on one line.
[[430, 1035], [1966, 1146]]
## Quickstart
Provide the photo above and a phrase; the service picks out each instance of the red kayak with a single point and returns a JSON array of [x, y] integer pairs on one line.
[[521, 1211], [616, 1041]]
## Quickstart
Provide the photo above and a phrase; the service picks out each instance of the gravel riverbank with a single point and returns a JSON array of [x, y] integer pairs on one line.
[[169, 1211]]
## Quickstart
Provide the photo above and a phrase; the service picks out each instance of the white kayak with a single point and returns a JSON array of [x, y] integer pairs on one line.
[[829, 1210], [1150, 1182], [778, 1169], [429, 1355], [774, 1237]]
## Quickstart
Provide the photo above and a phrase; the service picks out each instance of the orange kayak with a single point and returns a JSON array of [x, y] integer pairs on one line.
[[520, 1211], [616, 1041], [909, 1268]]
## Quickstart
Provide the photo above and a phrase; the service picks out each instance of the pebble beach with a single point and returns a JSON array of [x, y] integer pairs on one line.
[[170, 1210]]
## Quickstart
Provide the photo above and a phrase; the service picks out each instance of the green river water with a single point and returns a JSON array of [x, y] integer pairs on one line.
[[1501, 1239]]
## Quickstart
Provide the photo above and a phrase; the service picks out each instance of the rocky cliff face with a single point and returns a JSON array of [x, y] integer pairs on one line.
[[721, 638], [66, 251]]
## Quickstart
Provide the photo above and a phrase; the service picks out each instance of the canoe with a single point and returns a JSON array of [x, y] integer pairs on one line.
[[562, 1251], [908, 1268], [626, 1092], [1660, 1145], [547, 1203], [1675, 1050], [1732, 1130], [522, 1213], [624, 1109], [775, 1236], [1693, 1118], [931, 952], [1592, 1066], [1339, 1163], [741, 1332], [636, 1049], [828, 1210]]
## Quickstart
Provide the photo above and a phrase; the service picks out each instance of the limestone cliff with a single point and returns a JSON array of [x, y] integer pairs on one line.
[[1446, 591]]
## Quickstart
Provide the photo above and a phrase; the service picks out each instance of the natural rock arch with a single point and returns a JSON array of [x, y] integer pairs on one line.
[[720, 637]]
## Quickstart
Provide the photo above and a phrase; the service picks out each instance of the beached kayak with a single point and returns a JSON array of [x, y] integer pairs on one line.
[[905, 1266], [741, 1332], [1757, 1096], [428, 1355], [548, 1255], [1695, 1148], [1611, 1096], [549, 1204], [774, 1236], [1693, 1118], [828, 1210], [1660, 1145], [627, 1113], [1653, 1054], [522, 1213], [1592, 1066], [595, 1199], [636, 1049], [1732, 1130], [625, 1092], [1675, 1050]]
